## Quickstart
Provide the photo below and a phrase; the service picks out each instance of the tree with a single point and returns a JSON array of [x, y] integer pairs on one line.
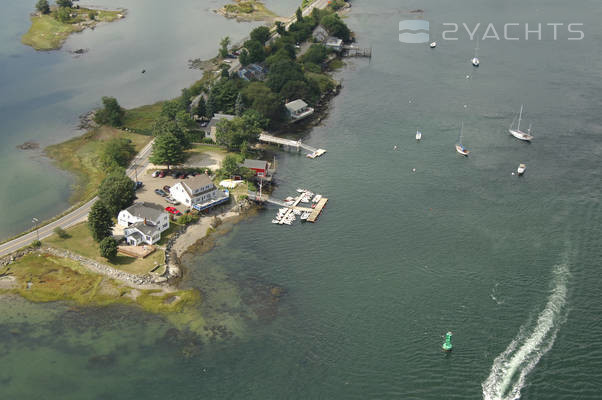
[[108, 247], [201, 108], [117, 152], [92, 15], [116, 191], [316, 15], [100, 221], [111, 114], [257, 96], [64, 3], [283, 71], [230, 165], [293, 90], [280, 28], [43, 6], [169, 109], [256, 51], [336, 27], [233, 133], [210, 105], [63, 15], [239, 106], [299, 15], [167, 150], [244, 57], [225, 72], [223, 50], [316, 54], [60, 232], [261, 34]]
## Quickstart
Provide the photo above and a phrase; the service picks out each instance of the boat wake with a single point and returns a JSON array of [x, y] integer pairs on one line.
[[510, 369]]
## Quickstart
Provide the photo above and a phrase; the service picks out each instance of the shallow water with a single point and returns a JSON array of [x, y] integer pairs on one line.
[[398, 258]]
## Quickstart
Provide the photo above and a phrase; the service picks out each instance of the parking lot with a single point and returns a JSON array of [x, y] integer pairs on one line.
[[147, 192]]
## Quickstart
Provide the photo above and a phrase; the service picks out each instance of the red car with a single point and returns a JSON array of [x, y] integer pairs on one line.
[[172, 210], [162, 174]]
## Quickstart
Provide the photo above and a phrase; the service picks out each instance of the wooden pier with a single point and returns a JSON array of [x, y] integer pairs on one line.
[[317, 210], [292, 144], [355, 51]]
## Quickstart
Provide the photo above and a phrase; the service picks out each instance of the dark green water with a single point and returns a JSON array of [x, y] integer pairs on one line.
[[510, 265]]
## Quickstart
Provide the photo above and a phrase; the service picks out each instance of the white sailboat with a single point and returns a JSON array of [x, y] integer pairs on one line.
[[418, 135], [475, 60], [517, 133], [459, 147], [433, 45], [521, 169]]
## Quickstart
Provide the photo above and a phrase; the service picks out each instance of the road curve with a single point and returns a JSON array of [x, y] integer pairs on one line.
[[78, 215]]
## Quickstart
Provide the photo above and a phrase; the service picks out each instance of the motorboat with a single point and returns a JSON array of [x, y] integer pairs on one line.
[[418, 135], [433, 45], [521, 169], [317, 198]]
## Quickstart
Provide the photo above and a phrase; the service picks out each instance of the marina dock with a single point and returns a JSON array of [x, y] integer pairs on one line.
[[296, 145], [314, 213], [317, 210]]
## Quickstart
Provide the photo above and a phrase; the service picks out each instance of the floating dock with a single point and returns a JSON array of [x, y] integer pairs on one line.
[[317, 210]]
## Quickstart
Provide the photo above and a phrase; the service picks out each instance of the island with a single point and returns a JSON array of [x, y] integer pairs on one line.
[[52, 25], [247, 10]]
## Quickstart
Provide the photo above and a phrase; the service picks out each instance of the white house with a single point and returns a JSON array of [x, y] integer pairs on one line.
[[335, 44], [194, 190], [143, 223], [298, 110], [140, 212], [139, 233]]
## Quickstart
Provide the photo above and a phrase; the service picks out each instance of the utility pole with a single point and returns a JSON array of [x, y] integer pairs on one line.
[[35, 221]]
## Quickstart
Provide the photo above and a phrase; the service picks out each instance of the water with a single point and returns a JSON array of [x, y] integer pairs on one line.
[[510, 265]]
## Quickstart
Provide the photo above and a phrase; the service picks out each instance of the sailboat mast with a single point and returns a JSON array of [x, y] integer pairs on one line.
[[461, 130], [520, 115]]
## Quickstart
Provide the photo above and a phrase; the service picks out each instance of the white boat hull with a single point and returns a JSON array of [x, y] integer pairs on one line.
[[418, 136], [520, 135], [475, 62], [461, 150]]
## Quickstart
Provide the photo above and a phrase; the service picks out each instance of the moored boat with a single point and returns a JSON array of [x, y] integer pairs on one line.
[[517, 133], [521, 169]]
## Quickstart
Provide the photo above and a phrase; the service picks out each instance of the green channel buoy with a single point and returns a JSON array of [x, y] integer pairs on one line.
[[447, 345]]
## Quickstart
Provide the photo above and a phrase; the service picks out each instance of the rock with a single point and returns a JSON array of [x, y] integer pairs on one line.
[[29, 145]]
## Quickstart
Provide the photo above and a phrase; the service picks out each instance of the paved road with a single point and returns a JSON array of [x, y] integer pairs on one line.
[[76, 216]]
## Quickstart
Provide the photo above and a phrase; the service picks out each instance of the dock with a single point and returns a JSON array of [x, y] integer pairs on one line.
[[355, 51], [317, 210], [296, 145]]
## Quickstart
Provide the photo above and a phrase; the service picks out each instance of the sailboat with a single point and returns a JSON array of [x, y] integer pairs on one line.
[[517, 133], [475, 60], [459, 147], [418, 135]]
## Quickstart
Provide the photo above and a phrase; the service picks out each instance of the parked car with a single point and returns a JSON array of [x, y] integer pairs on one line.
[[156, 173], [172, 201], [184, 175], [173, 210], [160, 192], [138, 185], [162, 174], [194, 173], [166, 188]]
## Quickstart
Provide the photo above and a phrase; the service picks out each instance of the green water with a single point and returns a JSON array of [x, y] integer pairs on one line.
[[510, 265]]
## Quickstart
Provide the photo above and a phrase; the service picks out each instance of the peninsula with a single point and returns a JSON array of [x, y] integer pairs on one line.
[[52, 25]]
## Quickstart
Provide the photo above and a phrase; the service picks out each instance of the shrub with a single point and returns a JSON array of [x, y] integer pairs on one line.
[[108, 247], [60, 232], [36, 244]]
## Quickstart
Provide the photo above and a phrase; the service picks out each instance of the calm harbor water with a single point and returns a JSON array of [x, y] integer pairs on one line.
[[510, 265]]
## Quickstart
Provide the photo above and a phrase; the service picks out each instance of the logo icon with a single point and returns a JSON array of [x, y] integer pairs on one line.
[[418, 31]]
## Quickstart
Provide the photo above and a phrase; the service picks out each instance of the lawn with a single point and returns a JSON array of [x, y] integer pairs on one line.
[[47, 33], [80, 241], [142, 119], [46, 278], [80, 156]]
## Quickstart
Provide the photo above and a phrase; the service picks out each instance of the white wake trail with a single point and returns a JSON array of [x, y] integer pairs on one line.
[[510, 368]]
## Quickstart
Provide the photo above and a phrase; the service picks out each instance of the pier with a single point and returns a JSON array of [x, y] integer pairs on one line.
[[291, 144], [314, 212], [355, 51]]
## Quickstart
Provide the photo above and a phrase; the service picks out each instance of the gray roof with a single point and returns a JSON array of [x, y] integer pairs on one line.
[[148, 230], [218, 117], [257, 164], [146, 210], [195, 182], [295, 105], [334, 41]]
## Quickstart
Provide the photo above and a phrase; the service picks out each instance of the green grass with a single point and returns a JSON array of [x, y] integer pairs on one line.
[[80, 241], [142, 119], [80, 156], [47, 33], [59, 279], [250, 10]]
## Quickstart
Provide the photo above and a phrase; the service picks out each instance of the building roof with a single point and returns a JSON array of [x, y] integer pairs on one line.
[[334, 41], [296, 105], [195, 182], [319, 31], [145, 211], [147, 230], [256, 164], [218, 117]]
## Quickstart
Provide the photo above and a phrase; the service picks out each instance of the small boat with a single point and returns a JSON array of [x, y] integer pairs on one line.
[[418, 135], [289, 198], [521, 169], [459, 147], [313, 205], [433, 45], [301, 190], [475, 60], [316, 198], [517, 133], [304, 216], [275, 221]]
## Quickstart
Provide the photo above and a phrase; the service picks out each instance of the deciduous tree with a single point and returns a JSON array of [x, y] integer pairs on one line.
[[167, 150], [43, 6], [261, 34], [223, 49], [116, 192], [111, 114], [108, 247]]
